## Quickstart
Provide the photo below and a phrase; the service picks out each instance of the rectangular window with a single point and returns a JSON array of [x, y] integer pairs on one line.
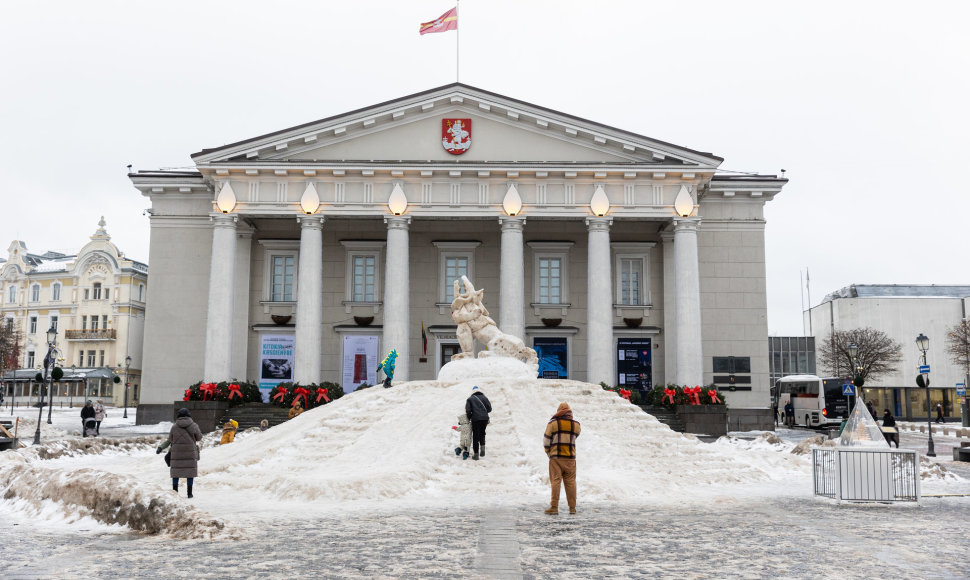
[[141, 292], [96, 291], [33, 325], [631, 274], [94, 323], [283, 270], [91, 361], [30, 359], [455, 268], [84, 323], [35, 293], [80, 358], [550, 281], [12, 294], [732, 364], [365, 278], [87, 293], [54, 322], [101, 358], [56, 292], [104, 322]]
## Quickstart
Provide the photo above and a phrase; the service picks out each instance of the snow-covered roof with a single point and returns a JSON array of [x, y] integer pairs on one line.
[[899, 291]]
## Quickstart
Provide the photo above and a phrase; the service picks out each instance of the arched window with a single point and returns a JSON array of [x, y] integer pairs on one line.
[[56, 292], [35, 293]]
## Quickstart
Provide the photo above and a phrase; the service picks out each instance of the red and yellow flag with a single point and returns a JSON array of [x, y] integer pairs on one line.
[[445, 22]]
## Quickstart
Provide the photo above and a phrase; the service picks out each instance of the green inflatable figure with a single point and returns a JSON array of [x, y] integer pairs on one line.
[[388, 366]]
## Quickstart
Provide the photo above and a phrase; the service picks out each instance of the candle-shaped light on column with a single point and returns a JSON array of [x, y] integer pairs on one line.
[[600, 204], [226, 200], [512, 204], [398, 202], [310, 201]]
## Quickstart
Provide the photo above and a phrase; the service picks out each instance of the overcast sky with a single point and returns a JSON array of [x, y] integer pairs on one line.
[[863, 103]]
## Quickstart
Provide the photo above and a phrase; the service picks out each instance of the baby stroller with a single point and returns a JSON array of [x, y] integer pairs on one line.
[[90, 427], [465, 436]]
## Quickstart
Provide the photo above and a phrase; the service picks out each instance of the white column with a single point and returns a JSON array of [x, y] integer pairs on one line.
[[599, 303], [690, 358], [511, 297], [240, 323], [309, 302], [670, 309], [397, 295], [218, 325]]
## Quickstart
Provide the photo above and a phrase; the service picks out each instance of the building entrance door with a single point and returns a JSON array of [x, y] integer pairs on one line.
[[448, 350]]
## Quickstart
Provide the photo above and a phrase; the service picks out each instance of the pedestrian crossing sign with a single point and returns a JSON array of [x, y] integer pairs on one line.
[[848, 389]]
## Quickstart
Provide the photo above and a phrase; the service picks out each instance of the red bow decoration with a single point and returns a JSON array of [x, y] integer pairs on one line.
[[208, 390], [234, 391], [322, 394], [693, 395], [188, 393], [669, 394], [298, 393], [625, 393], [280, 393], [713, 395]]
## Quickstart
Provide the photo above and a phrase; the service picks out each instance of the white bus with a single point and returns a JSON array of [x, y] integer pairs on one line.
[[817, 401]]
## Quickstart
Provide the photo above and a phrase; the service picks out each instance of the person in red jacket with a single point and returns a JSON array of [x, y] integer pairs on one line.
[[560, 444]]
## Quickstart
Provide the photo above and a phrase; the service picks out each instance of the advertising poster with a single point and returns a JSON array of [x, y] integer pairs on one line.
[[634, 365], [360, 362], [275, 361], [552, 353]]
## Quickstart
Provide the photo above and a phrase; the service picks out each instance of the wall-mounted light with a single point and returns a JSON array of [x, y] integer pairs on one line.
[[512, 204], [398, 202], [600, 204], [226, 199], [310, 200], [684, 204]]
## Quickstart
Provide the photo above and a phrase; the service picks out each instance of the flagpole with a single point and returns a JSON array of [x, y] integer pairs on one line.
[[457, 41]]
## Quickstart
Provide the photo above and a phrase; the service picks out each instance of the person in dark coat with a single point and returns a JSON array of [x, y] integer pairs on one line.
[[939, 413], [889, 421], [183, 437], [87, 412], [477, 407]]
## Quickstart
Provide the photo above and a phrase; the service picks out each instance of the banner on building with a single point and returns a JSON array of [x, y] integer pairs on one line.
[[275, 362], [634, 363], [552, 352], [360, 362]]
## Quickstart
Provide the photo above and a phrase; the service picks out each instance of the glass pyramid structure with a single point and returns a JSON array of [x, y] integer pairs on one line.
[[861, 430]]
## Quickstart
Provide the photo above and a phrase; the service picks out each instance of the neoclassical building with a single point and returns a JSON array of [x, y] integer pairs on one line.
[[94, 299], [307, 253]]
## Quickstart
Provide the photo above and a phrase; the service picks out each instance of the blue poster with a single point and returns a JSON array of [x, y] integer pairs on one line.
[[552, 353], [634, 363]]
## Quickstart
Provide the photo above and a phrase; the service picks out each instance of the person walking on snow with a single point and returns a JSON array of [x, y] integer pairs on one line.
[[477, 407], [464, 437], [559, 441], [183, 437], [939, 413], [99, 415]]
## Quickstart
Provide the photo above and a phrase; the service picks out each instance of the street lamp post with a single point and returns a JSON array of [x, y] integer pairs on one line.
[[127, 364], [853, 353], [48, 363], [70, 387], [923, 344]]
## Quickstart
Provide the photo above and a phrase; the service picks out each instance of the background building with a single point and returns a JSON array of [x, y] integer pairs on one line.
[[903, 312], [95, 300], [791, 355], [307, 253]]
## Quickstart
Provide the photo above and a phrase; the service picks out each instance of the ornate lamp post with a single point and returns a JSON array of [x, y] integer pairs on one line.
[[923, 344], [48, 363], [127, 364]]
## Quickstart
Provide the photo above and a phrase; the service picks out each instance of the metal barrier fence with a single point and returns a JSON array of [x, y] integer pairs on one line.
[[854, 474]]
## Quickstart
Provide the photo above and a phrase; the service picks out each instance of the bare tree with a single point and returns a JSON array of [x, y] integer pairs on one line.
[[958, 344], [878, 353], [10, 337]]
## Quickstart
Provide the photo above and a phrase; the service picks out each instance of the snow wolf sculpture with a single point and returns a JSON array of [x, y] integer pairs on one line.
[[474, 323]]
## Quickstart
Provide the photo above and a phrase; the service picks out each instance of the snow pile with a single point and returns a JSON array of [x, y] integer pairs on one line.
[[106, 497], [67, 447], [469, 369]]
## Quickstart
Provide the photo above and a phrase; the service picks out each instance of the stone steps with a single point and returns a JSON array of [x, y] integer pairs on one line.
[[666, 416], [251, 414]]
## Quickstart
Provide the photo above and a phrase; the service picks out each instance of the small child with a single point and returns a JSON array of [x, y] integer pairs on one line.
[[229, 432], [465, 436]]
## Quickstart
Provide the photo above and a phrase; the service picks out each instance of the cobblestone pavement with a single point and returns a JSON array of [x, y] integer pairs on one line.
[[774, 538]]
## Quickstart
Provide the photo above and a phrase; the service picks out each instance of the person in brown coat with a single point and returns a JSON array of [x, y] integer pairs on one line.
[[183, 437], [560, 444], [296, 410]]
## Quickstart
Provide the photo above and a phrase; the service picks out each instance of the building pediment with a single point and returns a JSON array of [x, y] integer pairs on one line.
[[503, 130]]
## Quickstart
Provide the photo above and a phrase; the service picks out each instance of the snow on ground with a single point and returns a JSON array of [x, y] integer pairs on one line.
[[395, 447]]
